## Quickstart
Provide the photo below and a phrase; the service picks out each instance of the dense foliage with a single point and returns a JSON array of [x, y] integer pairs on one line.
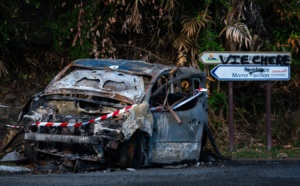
[[136, 28], [40, 35]]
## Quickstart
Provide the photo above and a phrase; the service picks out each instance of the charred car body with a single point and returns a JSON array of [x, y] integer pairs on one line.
[[141, 136]]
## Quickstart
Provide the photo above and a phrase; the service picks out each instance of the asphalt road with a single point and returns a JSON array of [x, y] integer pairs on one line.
[[263, 173]]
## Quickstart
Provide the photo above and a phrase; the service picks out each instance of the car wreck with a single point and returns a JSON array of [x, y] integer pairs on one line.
[[128, 112]]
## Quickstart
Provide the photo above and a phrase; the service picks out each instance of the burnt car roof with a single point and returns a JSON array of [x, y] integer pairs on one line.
[[123, 65], [136, 67]]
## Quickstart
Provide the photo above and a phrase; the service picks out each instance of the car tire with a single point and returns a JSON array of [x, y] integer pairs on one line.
[[131, 153]]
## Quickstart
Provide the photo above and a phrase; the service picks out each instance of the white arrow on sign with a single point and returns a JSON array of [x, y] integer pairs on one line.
[[251, 73]]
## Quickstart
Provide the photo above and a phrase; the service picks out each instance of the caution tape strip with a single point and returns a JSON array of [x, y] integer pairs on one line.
[[200, 91], [53, 124], [12, 126]]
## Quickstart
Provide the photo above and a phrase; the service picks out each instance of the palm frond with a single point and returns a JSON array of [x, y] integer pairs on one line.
[[182, 42], [192, 25], [238, 33]]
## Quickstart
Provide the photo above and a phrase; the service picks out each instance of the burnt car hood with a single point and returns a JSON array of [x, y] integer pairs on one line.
[[111, 84]]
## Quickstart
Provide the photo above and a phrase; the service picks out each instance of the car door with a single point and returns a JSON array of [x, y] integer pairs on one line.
[[172, 141]]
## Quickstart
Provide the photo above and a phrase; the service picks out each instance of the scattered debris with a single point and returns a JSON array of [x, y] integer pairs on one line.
[[200, 164], [131, 169], [14, 169], [180, 166], [13, 156]]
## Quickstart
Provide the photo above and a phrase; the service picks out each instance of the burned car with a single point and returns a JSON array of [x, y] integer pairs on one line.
[[129, 112]]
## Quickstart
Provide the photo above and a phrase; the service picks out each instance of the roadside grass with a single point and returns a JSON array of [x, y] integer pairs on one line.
[[260, 152], [252, 146]]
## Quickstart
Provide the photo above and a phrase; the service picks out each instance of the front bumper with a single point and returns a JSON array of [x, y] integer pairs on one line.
[[62, 138]]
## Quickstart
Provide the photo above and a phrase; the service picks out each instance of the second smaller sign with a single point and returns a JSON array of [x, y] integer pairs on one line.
[[251, 72]]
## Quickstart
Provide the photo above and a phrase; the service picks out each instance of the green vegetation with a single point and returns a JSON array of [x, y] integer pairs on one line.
[[121, 28], [261, 152]]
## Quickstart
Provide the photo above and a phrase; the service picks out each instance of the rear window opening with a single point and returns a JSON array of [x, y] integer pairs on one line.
[[113, 85], [94, 83]]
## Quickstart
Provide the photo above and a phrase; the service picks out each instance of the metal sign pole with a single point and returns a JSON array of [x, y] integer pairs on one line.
[[230, 105], [268, 100]]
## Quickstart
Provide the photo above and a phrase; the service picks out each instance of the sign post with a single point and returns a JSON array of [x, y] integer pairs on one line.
[[230, 108], [268, 103], [249, 66]]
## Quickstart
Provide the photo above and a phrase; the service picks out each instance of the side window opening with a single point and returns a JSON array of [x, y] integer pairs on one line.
[[159, 82], [196, 83], [178, 90], [185, 86], [161, 96]]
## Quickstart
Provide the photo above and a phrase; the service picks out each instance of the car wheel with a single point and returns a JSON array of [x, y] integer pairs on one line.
[[131, 153]]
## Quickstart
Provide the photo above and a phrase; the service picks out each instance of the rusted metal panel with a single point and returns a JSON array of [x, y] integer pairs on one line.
[[174, 152], [136, 67], [112, 95], [56, 97], [140, 117], [114, 85]]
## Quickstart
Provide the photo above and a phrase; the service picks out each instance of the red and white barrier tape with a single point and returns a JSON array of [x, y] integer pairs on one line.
[[200, 91], [3, 106], [14, 126], [52, 124]]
